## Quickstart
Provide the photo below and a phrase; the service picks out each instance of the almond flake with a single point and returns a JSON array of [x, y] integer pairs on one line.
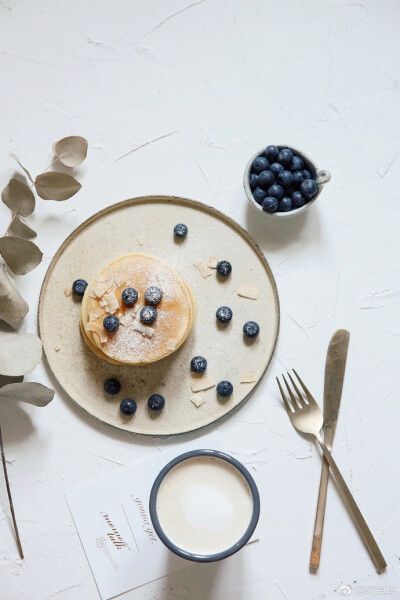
[[213, 261], [248, 378], [143, 329], [99, 330], [198, 400], [201, 383], [100, 289], [110, 302], [68, 291], [247, 291], [203, 268]]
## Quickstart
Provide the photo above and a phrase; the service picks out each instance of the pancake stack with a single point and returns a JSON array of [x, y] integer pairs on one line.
[[135, 343]]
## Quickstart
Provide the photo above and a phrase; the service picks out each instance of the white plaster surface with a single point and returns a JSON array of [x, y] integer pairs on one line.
[[174, 97]]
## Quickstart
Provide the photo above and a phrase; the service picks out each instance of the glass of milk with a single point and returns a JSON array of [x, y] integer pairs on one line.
[[204, 505]]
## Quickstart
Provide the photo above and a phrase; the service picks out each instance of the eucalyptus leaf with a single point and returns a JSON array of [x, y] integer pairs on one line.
[[71, 151], [56, 186], [30, 392], [18, 228], [20, 353], [22, 166], [20, 255], [4, 380], [18, 197], [12, 306]]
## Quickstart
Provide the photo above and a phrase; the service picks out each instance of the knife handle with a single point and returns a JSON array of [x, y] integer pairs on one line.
[[319, 517]]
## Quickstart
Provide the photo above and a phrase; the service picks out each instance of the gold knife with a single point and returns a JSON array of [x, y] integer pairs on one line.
[[334, 375]]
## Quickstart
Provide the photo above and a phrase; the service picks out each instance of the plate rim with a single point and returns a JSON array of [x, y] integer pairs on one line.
[[166, 199]]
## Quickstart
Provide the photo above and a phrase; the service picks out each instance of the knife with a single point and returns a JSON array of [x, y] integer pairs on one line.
[[334, 375]]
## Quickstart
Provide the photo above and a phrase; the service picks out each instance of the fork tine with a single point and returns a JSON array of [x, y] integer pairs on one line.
[[292, 396], [286, 403], [300, 397], [306, 391]]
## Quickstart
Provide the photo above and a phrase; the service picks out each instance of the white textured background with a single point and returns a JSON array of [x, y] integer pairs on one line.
[[192, 90]]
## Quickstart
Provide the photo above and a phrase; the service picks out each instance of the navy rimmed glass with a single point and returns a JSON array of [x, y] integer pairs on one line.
[[217, 454]]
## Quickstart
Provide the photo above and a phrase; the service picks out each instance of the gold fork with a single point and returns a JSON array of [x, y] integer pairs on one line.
[[306, 416]]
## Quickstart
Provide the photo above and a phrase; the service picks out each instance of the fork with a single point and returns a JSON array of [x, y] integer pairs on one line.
[[307, 417]]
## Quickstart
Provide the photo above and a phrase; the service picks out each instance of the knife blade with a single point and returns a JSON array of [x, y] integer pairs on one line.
[[335, 367]]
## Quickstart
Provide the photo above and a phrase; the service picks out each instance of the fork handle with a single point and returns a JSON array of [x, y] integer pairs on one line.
[[363, 528]]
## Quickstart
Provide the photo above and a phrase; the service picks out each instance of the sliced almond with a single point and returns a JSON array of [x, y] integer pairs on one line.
[[247, 291], [96, 328], [68, 290], [248, 378], [198, 399], [213, 261], [203, 268], [201, 383], [143, 329], [110, 302]]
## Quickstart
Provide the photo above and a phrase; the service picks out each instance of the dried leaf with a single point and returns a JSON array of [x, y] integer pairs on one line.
[[22, 167], [18, 228], [12, 306], [71, 151], [18, 197], [30, 392], [4, 380], [20, 353], [56, 186], [20, 255]]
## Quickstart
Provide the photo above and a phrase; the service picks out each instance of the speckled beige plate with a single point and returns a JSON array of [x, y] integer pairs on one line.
[[146, 225]]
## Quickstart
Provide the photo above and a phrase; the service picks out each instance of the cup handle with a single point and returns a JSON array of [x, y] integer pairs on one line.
[[323, 176]]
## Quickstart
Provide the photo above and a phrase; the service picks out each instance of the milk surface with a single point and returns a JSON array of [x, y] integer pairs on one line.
[[204, 505]]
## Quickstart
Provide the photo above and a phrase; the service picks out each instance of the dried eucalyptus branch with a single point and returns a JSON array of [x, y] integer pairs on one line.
[[3, 460], [20, 353]]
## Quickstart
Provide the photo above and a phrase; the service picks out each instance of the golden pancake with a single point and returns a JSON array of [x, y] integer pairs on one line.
[[135, 343]]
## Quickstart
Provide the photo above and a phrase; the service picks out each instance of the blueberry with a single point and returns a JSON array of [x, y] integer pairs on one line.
[[153, 295], [285, 157], [260, 164], [297, 163], [297, 199], [129, 296], [270, 204], [251, 329], [275, 168], [266, 178], [285, 204], [198, 364], [79, 286], [285, 178], [224, 314], [148, 315], [298, 178], [180, 231], [156, 402], [111, 323], [271, 152], [112, 386], [259, 195], [276, 191], [128, 407], [224, 389], [253, 181], [309, 188], [224, 268], [306, 174]]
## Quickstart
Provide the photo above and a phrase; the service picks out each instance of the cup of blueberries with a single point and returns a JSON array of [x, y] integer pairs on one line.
[[280, 181]]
